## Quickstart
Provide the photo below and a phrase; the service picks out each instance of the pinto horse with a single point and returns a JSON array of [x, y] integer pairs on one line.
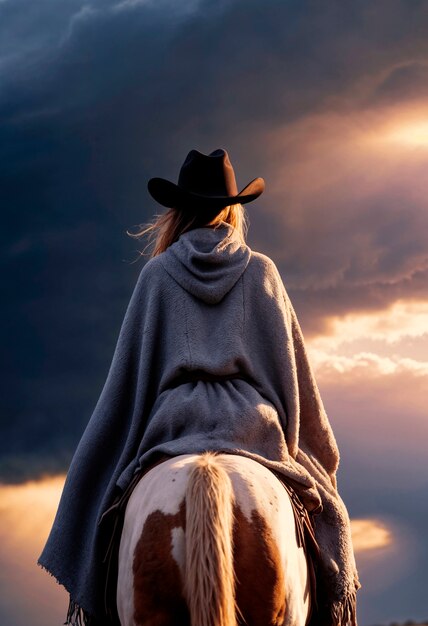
[[210, 540]]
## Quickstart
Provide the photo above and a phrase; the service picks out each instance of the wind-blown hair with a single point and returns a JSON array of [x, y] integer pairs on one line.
[[166, 228]]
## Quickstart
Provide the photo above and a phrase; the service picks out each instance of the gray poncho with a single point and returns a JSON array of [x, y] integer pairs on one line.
[[208, 305]]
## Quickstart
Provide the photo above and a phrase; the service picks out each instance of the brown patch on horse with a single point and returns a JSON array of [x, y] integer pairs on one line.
[[260, 586], [158, 590]]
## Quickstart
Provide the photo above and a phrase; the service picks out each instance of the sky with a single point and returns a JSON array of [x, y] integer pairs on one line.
[[328, 102]]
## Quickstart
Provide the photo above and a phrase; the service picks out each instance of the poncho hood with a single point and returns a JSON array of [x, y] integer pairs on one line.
[[208, 261]]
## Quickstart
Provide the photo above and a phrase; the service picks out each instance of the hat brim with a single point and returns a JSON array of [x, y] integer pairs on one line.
[[172, 196]]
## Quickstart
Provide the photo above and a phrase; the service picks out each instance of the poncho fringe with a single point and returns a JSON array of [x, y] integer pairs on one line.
[[76, 616], [344, 613]]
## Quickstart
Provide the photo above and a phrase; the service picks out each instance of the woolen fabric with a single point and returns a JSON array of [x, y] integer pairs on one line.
[[210, 356]]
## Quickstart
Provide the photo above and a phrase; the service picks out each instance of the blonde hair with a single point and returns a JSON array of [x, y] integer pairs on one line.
[[166, 228]]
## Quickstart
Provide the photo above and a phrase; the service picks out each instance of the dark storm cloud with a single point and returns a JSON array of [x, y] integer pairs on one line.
[[365, 255], [408, 80], [96, 99]]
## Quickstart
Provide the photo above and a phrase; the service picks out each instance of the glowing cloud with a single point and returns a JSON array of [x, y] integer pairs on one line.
[[401, 125], [370, 534], [413, 134], [383, 342]]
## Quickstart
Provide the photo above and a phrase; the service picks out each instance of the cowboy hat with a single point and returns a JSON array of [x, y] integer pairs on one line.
[[205, 181]]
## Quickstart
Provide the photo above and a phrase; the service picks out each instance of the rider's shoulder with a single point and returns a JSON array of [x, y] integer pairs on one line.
[[264, 266]]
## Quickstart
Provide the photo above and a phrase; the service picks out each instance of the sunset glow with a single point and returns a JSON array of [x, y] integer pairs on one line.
[[411, 134], [398, 125], [26, 534], [27, 512], [26, 515]]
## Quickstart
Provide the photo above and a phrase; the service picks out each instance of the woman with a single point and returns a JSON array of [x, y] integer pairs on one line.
[[210, 355]]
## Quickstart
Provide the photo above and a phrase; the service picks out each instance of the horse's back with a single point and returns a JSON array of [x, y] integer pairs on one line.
[[271, 577]]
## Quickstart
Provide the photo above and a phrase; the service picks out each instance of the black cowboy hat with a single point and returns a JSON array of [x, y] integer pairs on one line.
[[205, 181]]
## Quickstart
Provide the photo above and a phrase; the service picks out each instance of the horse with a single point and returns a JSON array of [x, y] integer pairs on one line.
[[210, 540]]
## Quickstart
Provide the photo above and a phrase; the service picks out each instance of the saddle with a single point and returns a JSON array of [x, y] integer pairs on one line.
[[305, 533]]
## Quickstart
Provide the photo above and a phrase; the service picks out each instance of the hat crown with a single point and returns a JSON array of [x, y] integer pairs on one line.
[[208, 175], [206, 182]]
